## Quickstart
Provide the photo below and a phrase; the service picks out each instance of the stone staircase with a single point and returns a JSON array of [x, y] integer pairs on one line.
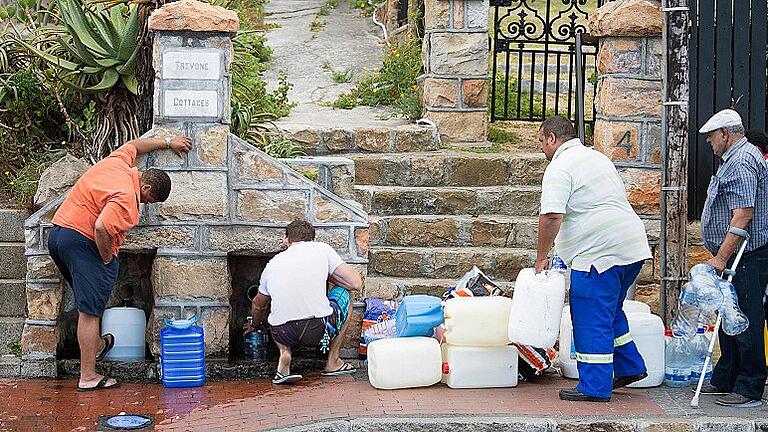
[[13, 270], [434, 213]]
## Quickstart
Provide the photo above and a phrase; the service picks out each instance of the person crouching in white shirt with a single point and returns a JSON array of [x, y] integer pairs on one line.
[[294, 284]]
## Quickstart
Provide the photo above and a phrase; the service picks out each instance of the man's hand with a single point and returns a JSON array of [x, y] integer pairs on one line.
[[718, 263], [541, 265], [180, 145], [248, 329]]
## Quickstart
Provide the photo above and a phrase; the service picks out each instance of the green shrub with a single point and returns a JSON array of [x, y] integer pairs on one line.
[[501, 136], [365, 7], [342, 76], [394, 84]]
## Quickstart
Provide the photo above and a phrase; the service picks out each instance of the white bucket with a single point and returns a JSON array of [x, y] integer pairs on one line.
[[128, 325], [479, 367], [404, 362]]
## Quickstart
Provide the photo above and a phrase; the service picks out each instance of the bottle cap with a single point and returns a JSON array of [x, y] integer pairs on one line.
[[701, 330], [668, 332]]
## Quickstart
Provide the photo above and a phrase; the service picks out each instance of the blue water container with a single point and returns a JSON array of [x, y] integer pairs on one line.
[[182, 353], [418, 315]]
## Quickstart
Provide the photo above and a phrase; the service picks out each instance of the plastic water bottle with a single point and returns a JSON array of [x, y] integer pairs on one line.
[[677, 370], [255, 346], [559, 266], [699, 348]]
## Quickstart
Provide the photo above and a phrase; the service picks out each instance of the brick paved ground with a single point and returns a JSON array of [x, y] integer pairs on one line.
[[258, 405]]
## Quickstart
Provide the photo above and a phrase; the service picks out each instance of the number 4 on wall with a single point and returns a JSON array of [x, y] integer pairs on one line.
[[626, 142]]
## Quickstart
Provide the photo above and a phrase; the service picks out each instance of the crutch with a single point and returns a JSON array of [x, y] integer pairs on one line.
[[728, 275]]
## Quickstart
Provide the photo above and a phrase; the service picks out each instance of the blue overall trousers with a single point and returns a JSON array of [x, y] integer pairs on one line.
[[604, 347]]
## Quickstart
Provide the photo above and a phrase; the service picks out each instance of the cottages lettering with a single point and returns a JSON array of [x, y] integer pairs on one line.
[[191, 103]]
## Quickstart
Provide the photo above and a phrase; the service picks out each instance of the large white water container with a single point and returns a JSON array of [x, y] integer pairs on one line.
[[477, 321], [634, 306], [647, 332], [537, 306], [479, 367], [127, 324], [404, 362]]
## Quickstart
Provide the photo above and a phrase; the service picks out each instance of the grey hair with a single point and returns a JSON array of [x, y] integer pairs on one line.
[[735, 129]]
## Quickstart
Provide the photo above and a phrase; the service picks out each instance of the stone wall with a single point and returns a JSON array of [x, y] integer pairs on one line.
[[628, 122], [228, 198], [455, 55]]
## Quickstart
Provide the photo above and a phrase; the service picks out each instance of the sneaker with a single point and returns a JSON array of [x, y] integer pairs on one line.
[[619, 382], [738, 401], [709, 389], [575, 395]]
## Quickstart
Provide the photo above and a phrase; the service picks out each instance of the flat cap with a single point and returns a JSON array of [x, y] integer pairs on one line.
[[721, 119]]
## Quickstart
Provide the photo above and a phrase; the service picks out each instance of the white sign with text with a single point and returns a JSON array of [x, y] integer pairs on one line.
[[191, 103], [192, 64]]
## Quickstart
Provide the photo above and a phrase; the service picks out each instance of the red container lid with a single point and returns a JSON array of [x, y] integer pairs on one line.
[[668, 332]]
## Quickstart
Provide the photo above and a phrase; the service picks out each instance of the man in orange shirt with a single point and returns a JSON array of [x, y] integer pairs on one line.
[[89, 228]]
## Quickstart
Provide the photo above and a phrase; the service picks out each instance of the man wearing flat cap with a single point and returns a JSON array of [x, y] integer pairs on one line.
[[737, 199]]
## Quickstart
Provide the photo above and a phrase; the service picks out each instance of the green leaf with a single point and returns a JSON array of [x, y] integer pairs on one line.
[[78, 52], [108, 63], [52, 59], [10, 10], [108, 80], [107, 32], [73, 15], [130, 35], [130, 83], [116, 18], [3, 14], [129, 67]]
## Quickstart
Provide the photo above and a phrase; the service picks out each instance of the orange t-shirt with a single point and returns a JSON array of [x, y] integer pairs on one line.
[[109, 189]]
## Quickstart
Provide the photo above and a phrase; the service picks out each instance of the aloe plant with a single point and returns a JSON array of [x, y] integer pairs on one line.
[[93, 51]]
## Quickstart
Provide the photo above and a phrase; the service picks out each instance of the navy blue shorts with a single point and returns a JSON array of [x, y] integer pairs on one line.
[[79, 262]]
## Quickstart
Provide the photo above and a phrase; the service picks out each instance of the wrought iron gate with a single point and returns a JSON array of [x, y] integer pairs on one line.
[[727, 54], [533, 59]]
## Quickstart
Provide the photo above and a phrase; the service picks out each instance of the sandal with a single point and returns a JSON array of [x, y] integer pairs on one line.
[[101, 385], [285, 379], [345, 369], [109, 342]]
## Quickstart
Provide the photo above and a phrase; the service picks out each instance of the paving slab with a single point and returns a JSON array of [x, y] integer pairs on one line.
[[349, 403]]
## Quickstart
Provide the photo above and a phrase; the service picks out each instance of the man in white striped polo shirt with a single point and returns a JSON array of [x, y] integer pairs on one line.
[[585, 212]]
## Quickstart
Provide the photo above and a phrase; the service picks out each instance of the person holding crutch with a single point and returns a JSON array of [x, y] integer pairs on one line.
[[738, 197]]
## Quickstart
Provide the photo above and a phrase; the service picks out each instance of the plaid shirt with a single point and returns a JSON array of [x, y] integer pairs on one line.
[[740, 182]]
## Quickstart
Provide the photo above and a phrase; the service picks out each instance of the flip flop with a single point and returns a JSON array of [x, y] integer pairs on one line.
[[286, 379], [101, 385], [109, 342], [345, 369]]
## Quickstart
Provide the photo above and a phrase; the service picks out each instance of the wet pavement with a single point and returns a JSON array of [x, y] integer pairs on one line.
[[259, 405]]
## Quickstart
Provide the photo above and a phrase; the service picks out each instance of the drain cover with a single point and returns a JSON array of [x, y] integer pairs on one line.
[[127, 422]]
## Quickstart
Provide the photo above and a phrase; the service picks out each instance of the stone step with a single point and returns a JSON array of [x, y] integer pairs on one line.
[[13, 298], [12, 224], [447, 230], [449, 168], [13, 263], [500, 264], [10, 333], [389, 288], [350, 137], [404, 200]]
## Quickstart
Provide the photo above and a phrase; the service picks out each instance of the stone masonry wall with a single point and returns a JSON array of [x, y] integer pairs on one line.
[[455, 55], [628, 122], [227, 198]]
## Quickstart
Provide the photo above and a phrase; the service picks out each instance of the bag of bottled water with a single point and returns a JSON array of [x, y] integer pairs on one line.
[[677, 368], [699, 349]]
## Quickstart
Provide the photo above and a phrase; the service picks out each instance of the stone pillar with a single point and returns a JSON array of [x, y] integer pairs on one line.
[[628, 102], [455, 55], [192, 53]]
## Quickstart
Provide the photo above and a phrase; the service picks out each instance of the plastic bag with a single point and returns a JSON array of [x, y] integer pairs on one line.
[[376, 311], [474, 283], [701, 297], [382, 330]]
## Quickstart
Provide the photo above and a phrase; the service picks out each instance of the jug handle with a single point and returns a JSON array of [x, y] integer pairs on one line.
[[181, 323]]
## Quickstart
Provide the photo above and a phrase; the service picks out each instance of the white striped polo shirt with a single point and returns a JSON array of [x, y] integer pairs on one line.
[[599, 227]]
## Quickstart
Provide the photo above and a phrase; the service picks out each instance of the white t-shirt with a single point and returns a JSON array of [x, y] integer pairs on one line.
[[599, 228], [296, 278]]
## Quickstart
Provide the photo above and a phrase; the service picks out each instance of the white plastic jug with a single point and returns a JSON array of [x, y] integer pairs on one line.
[[647, 332], [127, 324], [634, 306], [477, 321], [537, 306], [404, 362], [479, 367]]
